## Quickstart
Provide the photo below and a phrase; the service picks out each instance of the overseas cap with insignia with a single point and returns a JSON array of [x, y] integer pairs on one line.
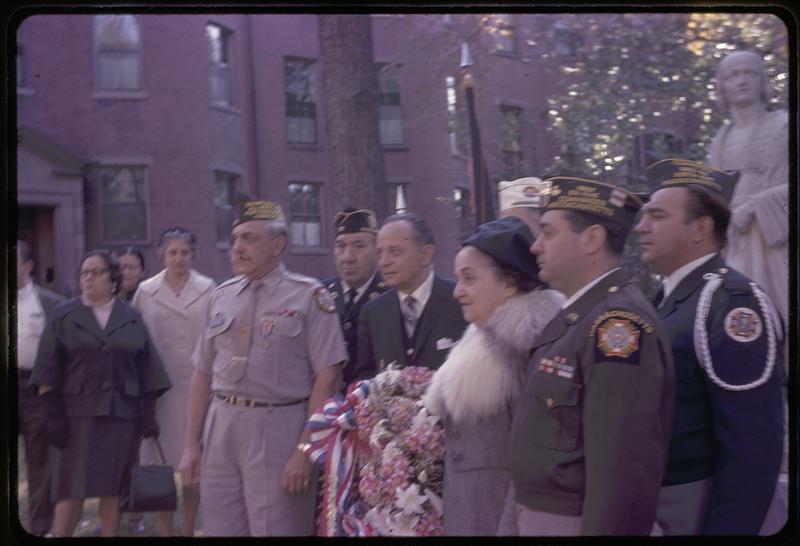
[[522, 192], [508, 241], [683, 172], [351, 220], [260, 210], [608, 201]]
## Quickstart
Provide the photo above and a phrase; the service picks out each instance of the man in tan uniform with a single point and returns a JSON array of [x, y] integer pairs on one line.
[[272, 353]]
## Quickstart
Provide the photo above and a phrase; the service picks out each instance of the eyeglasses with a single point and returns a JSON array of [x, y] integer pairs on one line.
[[85, 273], [130, 268]]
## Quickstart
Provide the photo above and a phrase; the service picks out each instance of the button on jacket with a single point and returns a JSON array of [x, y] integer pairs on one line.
[[589, 436]]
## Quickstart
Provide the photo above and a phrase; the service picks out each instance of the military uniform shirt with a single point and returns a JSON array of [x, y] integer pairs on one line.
[[295, 334]]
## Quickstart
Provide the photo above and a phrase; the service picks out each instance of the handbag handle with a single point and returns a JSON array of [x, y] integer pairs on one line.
[[160, 450]]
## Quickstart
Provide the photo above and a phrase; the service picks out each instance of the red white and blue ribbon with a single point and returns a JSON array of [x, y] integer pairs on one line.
[[335, 447]]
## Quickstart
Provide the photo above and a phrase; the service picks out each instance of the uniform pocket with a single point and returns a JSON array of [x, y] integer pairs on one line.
[[557, 412], [288, 326]]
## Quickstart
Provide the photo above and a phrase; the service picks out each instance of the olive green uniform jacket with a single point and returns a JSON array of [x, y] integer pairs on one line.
[[589, 436]]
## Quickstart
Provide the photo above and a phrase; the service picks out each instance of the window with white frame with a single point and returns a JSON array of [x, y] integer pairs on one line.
[[123, 203], [226, 188], [301, 111], [390, 111], [305, 210], [219, 56], [117, 53]]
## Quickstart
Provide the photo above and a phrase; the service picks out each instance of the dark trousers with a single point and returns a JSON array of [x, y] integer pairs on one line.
[[33, 426]]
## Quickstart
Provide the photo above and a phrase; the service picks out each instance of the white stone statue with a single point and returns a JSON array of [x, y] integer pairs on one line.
[[755, 142]]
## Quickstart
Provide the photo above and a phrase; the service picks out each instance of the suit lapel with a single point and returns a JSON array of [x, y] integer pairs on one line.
[[430, 314], [373, 287], [118, 318], [84, 318], [394, 327], [689, 285]]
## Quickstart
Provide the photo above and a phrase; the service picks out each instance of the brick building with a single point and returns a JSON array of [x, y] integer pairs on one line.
[[129, 124]]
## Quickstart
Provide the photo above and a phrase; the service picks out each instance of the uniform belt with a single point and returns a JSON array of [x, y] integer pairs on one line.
[[237, 400]]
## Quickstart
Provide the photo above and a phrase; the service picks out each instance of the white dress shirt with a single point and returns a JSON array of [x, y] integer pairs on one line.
[[422, 294], [679, 274], [30, 325], [360, 290]]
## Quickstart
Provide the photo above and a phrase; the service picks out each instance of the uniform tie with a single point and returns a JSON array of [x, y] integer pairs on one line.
[[350, 298], [410, 315], [244, 321]]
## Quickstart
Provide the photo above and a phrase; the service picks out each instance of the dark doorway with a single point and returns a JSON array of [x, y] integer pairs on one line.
[[35, 227]]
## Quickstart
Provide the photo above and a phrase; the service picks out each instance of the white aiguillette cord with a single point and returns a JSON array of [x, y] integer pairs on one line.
[[713, 281]]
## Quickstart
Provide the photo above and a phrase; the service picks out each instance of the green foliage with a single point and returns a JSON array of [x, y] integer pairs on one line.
[[633, 72]]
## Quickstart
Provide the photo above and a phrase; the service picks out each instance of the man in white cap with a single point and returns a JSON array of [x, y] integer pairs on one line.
[[522, 198]]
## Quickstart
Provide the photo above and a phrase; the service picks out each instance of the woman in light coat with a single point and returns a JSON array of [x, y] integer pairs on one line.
[[174, 304], [474, 390]]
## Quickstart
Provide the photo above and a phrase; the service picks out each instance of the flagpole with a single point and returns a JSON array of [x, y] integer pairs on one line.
[[481, 193]]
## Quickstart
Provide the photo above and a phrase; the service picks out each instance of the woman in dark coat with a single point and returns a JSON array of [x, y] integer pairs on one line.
[[98, 375], [474, 390]]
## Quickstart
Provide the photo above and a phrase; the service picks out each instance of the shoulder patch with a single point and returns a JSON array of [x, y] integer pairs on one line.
[[324, 300], [743, 325], [618, 336]]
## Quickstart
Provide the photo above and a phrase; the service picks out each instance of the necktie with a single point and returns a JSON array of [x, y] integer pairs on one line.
[[244, 321], [349, 300], [410, 315]]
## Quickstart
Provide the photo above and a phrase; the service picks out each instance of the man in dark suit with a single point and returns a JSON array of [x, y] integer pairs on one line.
[[34, 307], [417, 320], [357, 281], [725, 447]]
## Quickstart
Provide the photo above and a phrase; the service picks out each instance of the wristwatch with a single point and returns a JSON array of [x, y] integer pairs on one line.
[[303, 447]]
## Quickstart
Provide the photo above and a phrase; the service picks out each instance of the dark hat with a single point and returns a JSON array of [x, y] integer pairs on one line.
[[508, 241], [351, 220], [260, 210], [607, 201], [683, 172]]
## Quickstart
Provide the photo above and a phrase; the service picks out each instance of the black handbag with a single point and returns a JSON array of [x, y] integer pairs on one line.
[[152, 488]]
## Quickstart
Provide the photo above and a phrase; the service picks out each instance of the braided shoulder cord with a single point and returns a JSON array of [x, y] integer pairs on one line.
[[713, 281]]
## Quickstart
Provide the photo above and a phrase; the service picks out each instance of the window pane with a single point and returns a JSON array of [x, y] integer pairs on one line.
[[390, 125], [301, 112], [116, 32], [225, 187], [123, 203], [305, 213]]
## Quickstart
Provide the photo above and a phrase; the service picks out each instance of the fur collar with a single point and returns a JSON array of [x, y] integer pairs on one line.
[[483, 372]]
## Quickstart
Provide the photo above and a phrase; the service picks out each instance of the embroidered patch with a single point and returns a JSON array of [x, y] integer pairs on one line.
[[617, 198], [632, 317], [324, 300], [743, 325], [557, 366], [618, 338]]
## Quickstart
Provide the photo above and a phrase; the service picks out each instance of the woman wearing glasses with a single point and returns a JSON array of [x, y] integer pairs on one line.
[[98, 375]]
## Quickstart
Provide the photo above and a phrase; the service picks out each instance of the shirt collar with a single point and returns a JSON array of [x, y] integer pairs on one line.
[[26, 291], [679, 274], [267, 280], [574, 297], [422, 293], [360, 290]]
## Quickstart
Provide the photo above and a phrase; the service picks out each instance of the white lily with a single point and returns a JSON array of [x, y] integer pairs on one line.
[[402, 525], [409, 500]]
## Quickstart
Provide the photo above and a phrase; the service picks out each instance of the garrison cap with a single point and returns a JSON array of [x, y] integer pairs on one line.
[[602, 199], [508, 241], [683, 172], [351, 220], [522, 192], [260, 210]]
